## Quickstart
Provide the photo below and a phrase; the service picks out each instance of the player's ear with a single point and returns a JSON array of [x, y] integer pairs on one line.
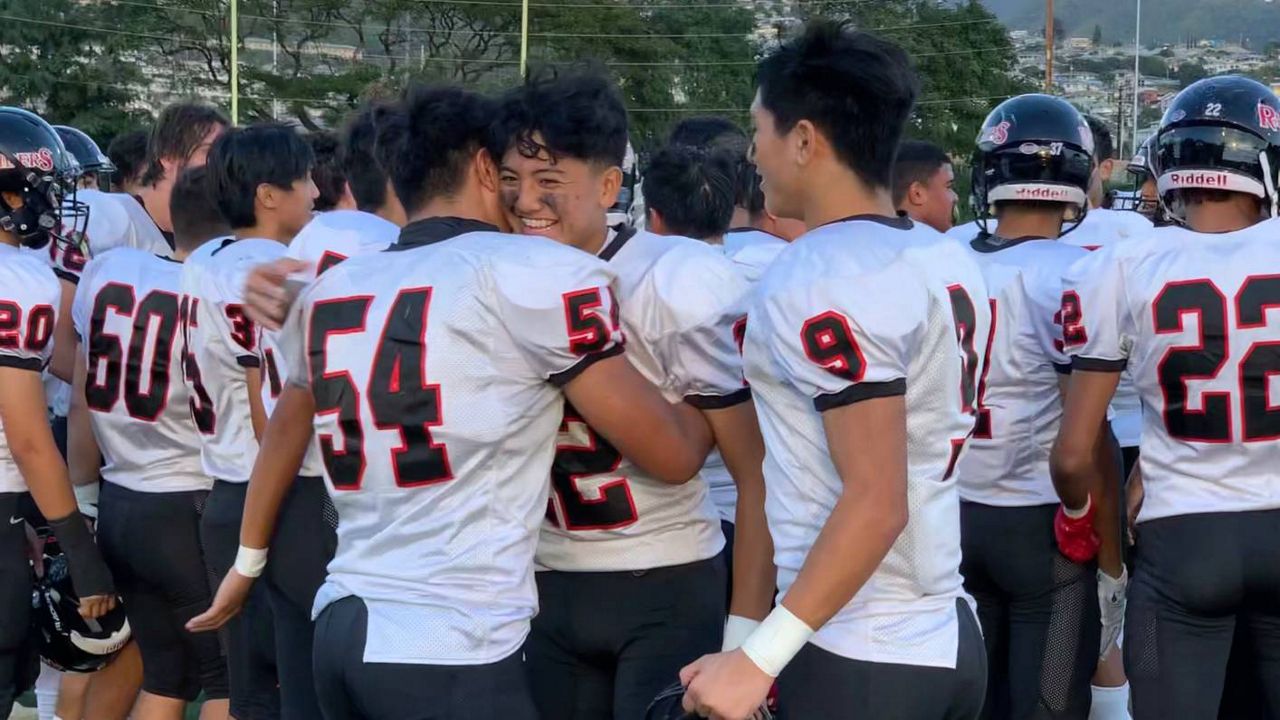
[[610, 186], [917, 194], [486, 170], [266, 195], [804, 138]]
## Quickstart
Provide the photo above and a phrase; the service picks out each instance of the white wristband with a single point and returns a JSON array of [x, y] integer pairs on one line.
[[87, 499], [250, 562], [736, 630], [772, 645]]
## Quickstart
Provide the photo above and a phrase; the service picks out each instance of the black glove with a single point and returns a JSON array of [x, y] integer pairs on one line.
[[89, 574]]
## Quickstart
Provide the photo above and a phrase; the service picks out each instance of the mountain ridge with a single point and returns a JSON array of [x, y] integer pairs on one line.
[[1257, 22]]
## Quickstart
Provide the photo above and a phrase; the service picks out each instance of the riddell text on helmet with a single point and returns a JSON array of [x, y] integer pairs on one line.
[[1199, 179], [1042, 193]]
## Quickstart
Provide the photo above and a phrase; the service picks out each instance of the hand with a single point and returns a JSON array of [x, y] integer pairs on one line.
[[1111, 600], [1074, 533], [267, 291], [230, 598], [95, 606], [725, 686]]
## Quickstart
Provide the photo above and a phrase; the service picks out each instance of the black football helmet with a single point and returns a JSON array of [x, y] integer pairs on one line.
[[90, 157], [1220, 133], [1032, 148], [35, 165], [668, 706], [67, 641], [1140, 171]]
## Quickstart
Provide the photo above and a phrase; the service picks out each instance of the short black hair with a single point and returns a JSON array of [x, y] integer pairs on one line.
[[128, 152], [917, 161], [748, 194], [358, 159], [579, 113], [706, 131], [326, 173], [692, 189], [426, 141], [856, 88], [245, 157], [1103, 146], [177, 134], [196, 218]]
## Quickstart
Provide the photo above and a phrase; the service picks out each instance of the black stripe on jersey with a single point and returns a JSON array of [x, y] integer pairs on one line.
[[858, 393], [437, 229], [21, 363], [620, 238], [1098, 364], [248, 361], [563, 377], [68, 276], [719, 402], [223, 246], [1062, 369], [896, 222]]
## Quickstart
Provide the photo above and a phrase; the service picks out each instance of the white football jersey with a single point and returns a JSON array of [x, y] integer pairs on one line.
[[435, 369], [146, 235], [127, 314], [1102, 228], [680, 300], [1187, 313], [1019, 406], [221, 342], [327, 240], [968, 231], [334, 236], [857, 309], [752, 251], [29, 297]]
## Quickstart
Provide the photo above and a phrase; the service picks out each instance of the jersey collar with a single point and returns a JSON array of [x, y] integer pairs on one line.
[[994, 243], [897, 222], [621, 234], [420, 233]]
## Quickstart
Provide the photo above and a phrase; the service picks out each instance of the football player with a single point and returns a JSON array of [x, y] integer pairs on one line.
[[129, 376], [1035, 586], [33, 169], [435, 374], [924, 184], [260, 179], [864, 350], [1186, 312], [181, 138], [619, 543], [690, 192], [128, 153]]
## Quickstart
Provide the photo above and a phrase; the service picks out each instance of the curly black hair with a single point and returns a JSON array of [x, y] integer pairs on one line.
[[577, 113]]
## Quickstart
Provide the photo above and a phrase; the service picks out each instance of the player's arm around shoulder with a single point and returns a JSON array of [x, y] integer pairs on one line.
[[567, 325]]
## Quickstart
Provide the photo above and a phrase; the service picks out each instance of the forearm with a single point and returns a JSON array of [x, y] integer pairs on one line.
[[63, 362], [737, 433], [83, 456], [1106, 495], [257, 411], [42, 468], [284, 445], [852, 544]]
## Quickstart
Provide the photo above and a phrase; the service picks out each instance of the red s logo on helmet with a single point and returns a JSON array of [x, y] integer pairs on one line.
[[1268, 117], [999, 134]]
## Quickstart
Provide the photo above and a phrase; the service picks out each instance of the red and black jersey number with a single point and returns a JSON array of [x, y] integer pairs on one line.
[[198, 400], [1206, 358], [611, 506], [398, 394], [588, 330], [973, 389], [154, 323], [31, 333]]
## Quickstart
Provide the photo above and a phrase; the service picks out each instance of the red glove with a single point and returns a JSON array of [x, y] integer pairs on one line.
[[1076, 537]]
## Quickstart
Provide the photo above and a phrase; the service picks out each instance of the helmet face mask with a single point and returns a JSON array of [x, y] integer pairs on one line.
[[1032, 148], [67, 641]]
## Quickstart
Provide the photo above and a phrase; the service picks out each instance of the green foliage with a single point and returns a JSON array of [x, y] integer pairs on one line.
[[312, 60], [1189, 73], [1097, 35], [56, 64]]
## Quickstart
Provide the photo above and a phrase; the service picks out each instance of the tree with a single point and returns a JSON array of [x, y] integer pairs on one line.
[[1097, 35], [57, 63], [1189, 73]]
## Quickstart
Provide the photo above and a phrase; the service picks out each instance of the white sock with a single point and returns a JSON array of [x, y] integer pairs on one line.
[[1110, 703], [47, 686]]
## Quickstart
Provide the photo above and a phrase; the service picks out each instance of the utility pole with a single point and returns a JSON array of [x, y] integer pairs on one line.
[[1137, 73], [1048, 46]]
